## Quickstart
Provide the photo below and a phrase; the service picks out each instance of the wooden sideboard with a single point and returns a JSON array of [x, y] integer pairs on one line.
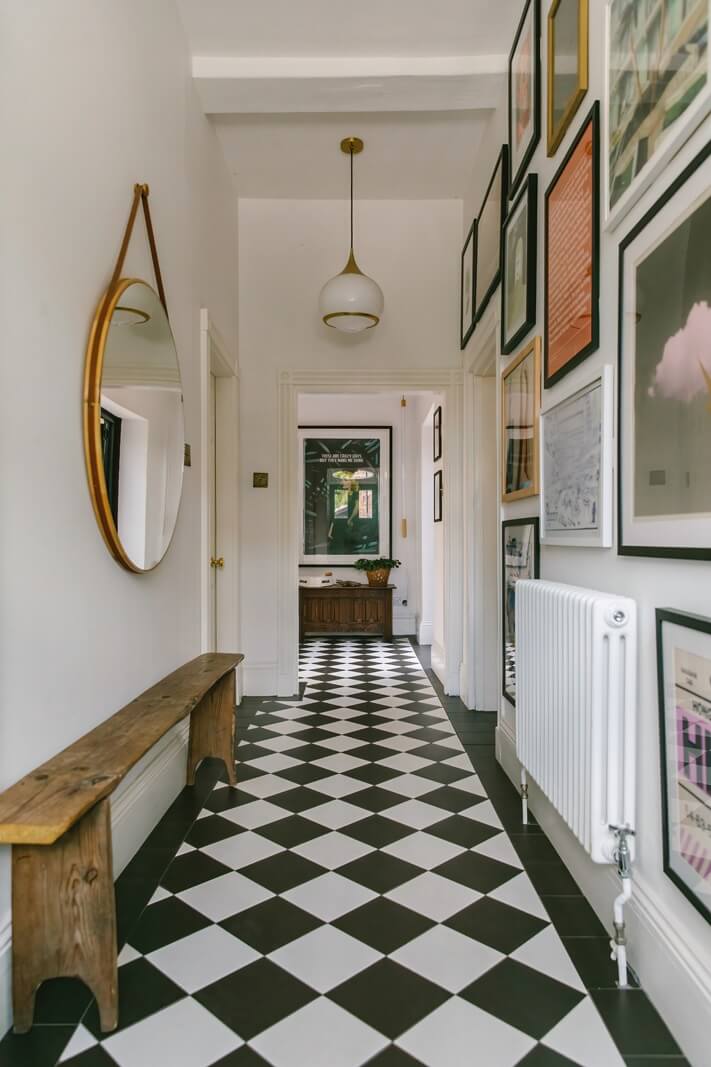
[[340, 609]]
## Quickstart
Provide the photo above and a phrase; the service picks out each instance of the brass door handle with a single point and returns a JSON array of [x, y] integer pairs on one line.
[[219, 562]]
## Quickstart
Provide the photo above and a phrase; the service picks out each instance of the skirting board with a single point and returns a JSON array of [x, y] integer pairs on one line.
[[425, 633], [672, 974], [259, 678], [439, 665], [137, 805]]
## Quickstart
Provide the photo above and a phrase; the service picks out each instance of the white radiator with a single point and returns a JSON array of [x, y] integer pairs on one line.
[[576, 663]]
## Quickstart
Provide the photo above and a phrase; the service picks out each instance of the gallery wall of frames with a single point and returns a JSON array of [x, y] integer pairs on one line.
[[602, 275]]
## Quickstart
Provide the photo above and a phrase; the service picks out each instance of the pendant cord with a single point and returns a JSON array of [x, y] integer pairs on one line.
[[351, 154]]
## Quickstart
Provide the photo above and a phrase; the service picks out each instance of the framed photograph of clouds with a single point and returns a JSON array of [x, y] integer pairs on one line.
[[524, 93], [518, 266], [576, 461], [658, 91], [467, 316], [488, 234], [684, 680], [520, 558], [665, 373]]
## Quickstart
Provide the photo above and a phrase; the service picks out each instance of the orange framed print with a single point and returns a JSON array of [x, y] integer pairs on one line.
[[572, 267], [520, 408]]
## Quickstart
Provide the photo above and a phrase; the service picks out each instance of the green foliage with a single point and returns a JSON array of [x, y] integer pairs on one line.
[[376, 564]]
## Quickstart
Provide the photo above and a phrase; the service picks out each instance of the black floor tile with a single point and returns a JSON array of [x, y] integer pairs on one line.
[[392, 1056], [535, 849], [164, 922], [462, 831], [496, 924], [268, 926], [143, 990], [211, 829], [374, 773], [92, 1057], [444, 775], [388, 997], [301, 798], [242, 1057], [477, 872], [540, 1056], [282, 872], [255, 997], [551, 879], [452, 799], [190, 870], [634, 1023], [377, 799], [573, 917], [293, 830], [61, 1000], [591, 956], [523, 997], [378, 830], [41, 1047], [379, 871], [383, 924], [304, 774]]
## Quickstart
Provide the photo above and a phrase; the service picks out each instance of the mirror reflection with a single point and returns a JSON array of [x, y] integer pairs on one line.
[[141, 424]]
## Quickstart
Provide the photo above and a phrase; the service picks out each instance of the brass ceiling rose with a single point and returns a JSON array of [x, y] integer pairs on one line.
[[351, 144]]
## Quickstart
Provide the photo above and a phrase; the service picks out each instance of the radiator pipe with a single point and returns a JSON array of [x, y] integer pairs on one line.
[[524, 797], [618, 943]]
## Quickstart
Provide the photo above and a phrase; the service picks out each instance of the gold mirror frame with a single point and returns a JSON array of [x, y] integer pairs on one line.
[[556, 134], [91, 396]]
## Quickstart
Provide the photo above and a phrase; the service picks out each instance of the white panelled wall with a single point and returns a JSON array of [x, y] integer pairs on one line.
[[670, 943]]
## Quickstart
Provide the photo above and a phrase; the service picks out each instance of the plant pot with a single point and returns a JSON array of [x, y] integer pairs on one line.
[[379, 577]]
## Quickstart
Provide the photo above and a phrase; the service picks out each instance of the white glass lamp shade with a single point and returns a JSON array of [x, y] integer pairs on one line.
[[351, 301]]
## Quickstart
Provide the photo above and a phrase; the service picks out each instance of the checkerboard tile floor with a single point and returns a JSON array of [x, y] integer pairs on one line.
[[354, 901]]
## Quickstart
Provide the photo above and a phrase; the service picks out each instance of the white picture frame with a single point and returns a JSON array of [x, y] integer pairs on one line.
[[675, 137], [577, 465]]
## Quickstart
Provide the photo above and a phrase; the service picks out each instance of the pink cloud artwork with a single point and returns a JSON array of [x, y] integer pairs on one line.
[[684, 370]]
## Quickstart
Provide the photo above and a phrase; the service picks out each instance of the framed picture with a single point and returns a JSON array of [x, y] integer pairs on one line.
[[576, 460], [567, 65], [437, 434], [658, 91], [684, 678], [524, 93], [520, 558], [572, 274], [346, 494], [467, 317], [438, 494], [520, 405], [518, 247], [488, 234], [665, 373]]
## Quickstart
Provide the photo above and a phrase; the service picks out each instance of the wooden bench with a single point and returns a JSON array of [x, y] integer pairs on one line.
[[58, 821]]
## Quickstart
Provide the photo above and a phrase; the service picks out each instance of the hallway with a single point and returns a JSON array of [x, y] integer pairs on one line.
[[357, 899]]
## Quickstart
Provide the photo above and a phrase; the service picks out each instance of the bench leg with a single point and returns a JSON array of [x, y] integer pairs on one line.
[[64, 917], [212, 729]]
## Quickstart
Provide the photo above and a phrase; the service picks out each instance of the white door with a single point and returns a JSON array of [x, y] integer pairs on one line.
[[212, 514]]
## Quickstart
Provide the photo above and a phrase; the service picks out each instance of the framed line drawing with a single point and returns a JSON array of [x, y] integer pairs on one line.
[[572, 251], [519, 266], [684, 685], [658, 91], [345, 494], [438, 495], [437, 434], [488, 233], [577, 465], [520, 558], [524, 99], [664, 437], [520, 406]]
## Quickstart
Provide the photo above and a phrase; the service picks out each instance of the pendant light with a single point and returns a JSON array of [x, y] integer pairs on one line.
[[351, 302]]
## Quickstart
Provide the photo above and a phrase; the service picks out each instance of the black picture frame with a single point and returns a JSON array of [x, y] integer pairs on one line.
[[515, 178], [529, 192], [467, 329], [549, 379], [344, 427], [534, 522], [110, 426], [624, 547], [701, 625], [438, 495], [500, 167], [437, 434]]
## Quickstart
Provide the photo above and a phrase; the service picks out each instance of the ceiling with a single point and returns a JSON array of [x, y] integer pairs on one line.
[[285, 80]]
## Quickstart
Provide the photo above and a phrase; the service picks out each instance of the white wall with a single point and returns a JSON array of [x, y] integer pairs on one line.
[[288, 249], [670, 943], [98, 97]]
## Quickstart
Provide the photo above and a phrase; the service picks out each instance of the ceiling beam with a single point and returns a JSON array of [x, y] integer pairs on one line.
[[284, 85]]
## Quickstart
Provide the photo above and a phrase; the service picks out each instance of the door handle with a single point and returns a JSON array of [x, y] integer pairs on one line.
[[219, 562]]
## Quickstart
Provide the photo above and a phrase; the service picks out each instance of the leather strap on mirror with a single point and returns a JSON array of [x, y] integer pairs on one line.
[[140, 195]]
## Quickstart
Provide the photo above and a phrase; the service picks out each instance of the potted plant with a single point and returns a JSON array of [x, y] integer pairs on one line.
[[377, 570]]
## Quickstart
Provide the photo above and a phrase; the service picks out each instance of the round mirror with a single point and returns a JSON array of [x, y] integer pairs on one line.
[[133, 424]]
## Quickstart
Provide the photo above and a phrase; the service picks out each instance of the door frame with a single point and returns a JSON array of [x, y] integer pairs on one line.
[[291, 384], [215, 359]]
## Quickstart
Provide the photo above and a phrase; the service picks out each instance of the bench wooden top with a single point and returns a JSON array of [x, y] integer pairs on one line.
[[44, 804]]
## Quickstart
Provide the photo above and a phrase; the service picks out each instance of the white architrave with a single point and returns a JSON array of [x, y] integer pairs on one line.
[[216, 359], [291, 383]]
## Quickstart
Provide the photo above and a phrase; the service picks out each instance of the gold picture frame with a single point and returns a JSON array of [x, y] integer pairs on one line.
[[520, 424], [558, 123]]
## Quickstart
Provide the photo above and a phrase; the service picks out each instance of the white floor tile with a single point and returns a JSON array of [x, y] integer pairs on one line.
[[274, 763], [160, 894], [325, 957], [472, 784], [499, 848], [183, 1035], [341, 743], [519, 893], [416, 813], [338, 785], [405, 762], [423, 849], [329, 896], [280, 744], [545, 952], [225, 896], [483, 812], [447, 958], [460, 762], [337, 813], [583, 1037], [411, 785], [80, 1041], [260, 813], [242, 849], [431, 895], [319, 1035], [458, 1035], [341, 726], [339, 763], [201, 958], [129, 954], [401, 743], [332, 850]]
